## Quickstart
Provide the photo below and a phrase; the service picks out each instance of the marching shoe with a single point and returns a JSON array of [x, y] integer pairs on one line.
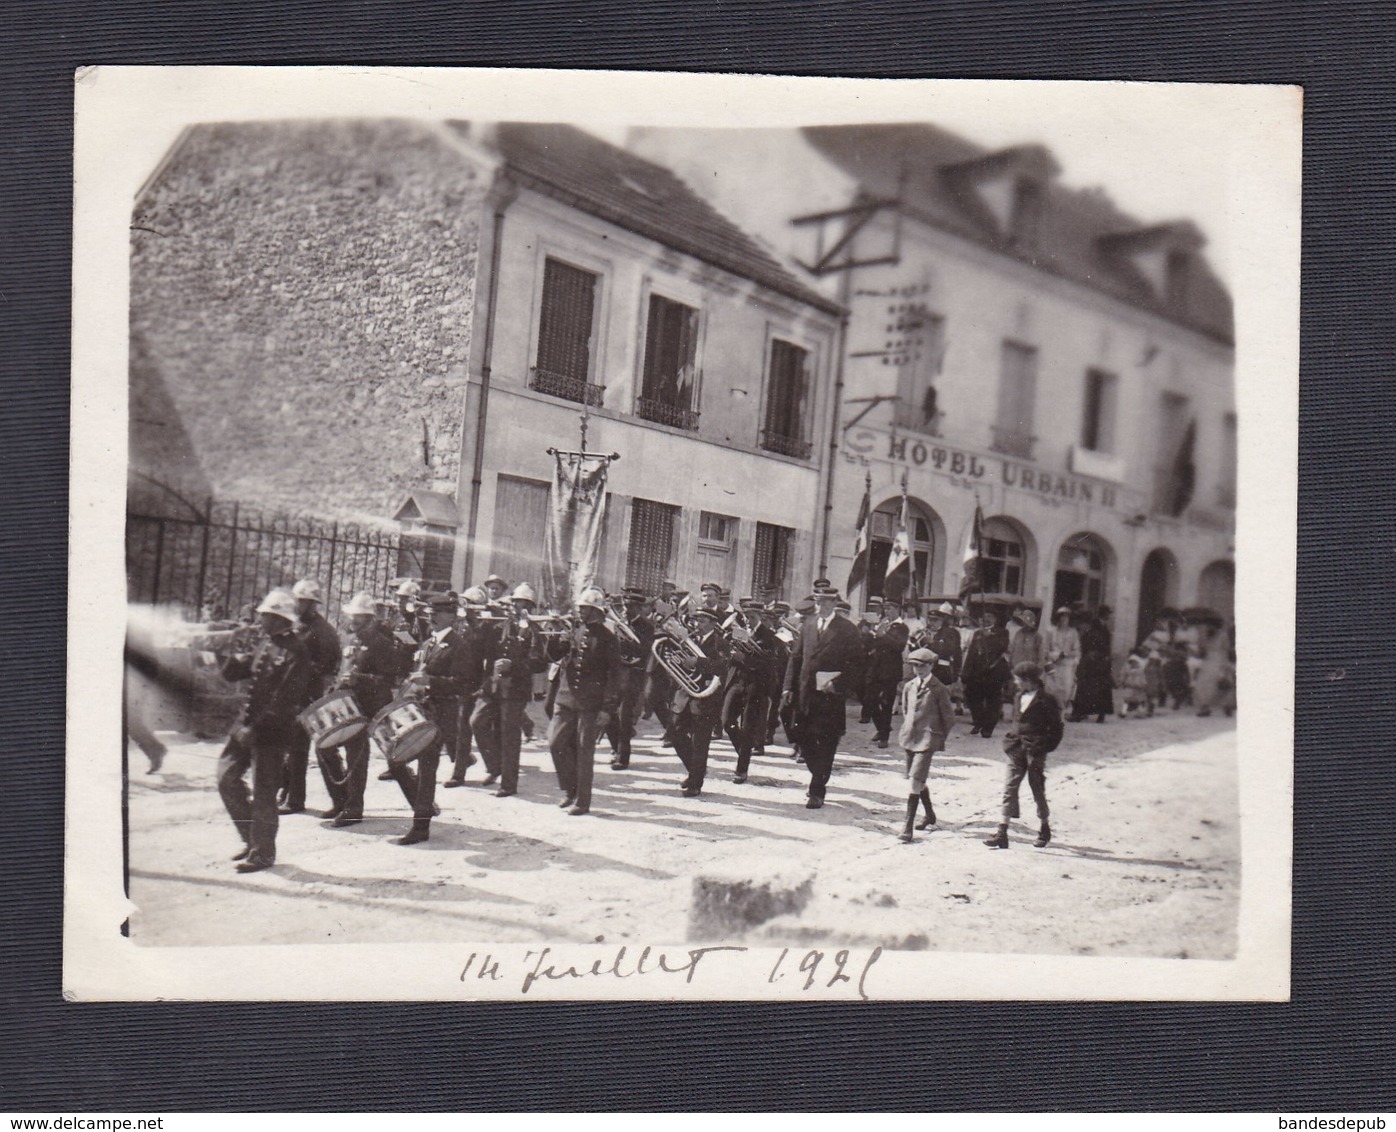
[[1044, 835], [157, 760], [343, 820], [578, 811], [254, 865], [739, 778], [452, 783], [906, 836], [243, 855], [435, 810], [386, 776], [490, 780], [502, 793], [413, 836], [692, 791], [882, 744], [974, 730], [928, 822], [331, 813], [814, 803], [999, 840], [567, 802], [284, 810], [617, 764]]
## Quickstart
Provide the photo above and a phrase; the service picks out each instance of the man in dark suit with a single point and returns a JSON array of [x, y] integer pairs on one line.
[[828, 646], [635, 658], [588, 694], [1037, 731], [323, 647]]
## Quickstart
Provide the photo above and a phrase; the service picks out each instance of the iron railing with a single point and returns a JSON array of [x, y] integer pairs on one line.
[[794, 446], [568, 388], [661, 412]]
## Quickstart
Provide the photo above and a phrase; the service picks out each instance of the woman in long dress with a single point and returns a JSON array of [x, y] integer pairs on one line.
[[1094, 681], [1062, 646]]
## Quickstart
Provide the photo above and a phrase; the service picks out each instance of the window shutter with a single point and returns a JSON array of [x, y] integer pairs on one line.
[[651, 544]]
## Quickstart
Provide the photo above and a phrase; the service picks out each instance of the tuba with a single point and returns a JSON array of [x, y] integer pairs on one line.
[[672, 645]]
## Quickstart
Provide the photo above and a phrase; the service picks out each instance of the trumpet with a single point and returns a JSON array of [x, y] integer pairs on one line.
[[673, 644], [550, 624]]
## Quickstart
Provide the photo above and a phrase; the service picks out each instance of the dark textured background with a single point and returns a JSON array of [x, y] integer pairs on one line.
[[1331, 1048]]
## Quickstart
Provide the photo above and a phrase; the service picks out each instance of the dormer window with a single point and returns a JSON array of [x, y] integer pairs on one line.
[[1026, 219], [1177, 272]]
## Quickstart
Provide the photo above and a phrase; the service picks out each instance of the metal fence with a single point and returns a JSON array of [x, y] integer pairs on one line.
[[210, 558]]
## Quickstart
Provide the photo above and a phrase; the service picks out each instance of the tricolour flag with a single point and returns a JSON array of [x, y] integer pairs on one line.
[[971, 577], [857, 576], [898, 580]]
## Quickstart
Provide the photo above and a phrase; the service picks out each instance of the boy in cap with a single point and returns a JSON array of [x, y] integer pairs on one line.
[[927, 717], [1037, 731], [281, 672]]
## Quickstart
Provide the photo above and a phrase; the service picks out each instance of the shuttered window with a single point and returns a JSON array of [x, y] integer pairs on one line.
[[520, 518], [1012, 430], [787, 401], [771, 567], [649, 556], [669, 394], [565, 326]]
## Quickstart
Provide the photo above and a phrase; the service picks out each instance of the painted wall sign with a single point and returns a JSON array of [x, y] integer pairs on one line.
[[976, 466]]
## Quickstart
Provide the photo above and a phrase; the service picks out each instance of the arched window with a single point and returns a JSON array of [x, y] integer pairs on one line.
[[1004, 565], [1082, 564], [1158, 588], [921, 533]]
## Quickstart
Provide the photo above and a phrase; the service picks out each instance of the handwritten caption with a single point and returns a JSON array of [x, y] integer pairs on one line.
[[812, 972]]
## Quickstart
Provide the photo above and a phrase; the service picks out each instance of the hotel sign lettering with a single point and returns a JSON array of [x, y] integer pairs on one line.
[[977, 467]]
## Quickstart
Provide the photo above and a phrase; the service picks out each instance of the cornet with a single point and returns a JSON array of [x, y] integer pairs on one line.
[[673, 644]]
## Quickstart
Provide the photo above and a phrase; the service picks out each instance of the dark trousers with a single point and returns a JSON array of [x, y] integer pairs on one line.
[[819, 751], [692, 733], [457, 746], [1025, 759], [498, 729], [572, 739], [253, 814], [297, 765], [621, 729], [347, 795], [659, 689], [882, 695], [745, 711], [985, 703]]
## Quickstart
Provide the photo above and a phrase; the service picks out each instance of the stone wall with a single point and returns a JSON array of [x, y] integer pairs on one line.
[[301, 295]]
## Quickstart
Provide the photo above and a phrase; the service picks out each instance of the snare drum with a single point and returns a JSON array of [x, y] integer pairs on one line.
[[333, 720], [403, 731]]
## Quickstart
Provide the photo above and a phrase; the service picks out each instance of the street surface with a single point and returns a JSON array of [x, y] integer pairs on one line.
[[1144, 859]]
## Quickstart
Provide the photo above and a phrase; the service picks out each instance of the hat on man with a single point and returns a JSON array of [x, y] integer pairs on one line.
[[495, 578], [408, 588], [447, 600], [711, 614], [874, 603], [360, 604], [946, 608], [822, 584], [592, 599], [843, 605], [475, 595], [806, 607], [280, 604], [922, 656], [780, 607], [1028, 671], [706, 586], [307, 589], [633, 593], [524, 592], [1026, 617], [827, 594]]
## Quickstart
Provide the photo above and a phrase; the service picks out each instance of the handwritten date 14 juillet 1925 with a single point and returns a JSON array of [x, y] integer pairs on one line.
[[814, 972]]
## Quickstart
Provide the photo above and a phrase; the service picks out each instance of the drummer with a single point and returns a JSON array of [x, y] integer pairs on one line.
[[373, 667]]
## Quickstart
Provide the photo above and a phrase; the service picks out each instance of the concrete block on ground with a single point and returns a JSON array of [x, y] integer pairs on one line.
[[726, 905]]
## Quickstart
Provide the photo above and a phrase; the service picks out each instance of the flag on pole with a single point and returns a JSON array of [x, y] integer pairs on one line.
[[572, 541], [857, 576], [971, 578], [898, 580]]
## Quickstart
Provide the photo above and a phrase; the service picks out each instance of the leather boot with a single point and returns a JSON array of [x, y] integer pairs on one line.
[[911, 806], [420, 831], [929, 821], [1044, 835], [999, 840]]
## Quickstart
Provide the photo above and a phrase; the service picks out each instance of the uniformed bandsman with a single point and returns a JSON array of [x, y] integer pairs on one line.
[[479, 640], [515, 655], [323, 646], [746, 696], [588, 693], [635, 660], [695, 718], [281, 672]]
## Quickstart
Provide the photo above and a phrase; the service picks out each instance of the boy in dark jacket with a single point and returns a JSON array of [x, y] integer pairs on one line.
[[1037, 731]]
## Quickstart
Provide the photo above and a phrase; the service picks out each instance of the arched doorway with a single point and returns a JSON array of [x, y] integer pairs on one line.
[[922, 526], [1083, 565], [1216, 588], [1158, 587]]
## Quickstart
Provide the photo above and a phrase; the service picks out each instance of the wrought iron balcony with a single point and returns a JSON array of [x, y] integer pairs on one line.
[[786, 445], [1012, 441], [568, 388], [661, 412]]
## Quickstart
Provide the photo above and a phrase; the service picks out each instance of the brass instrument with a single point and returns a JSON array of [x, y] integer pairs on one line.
[[550, 624], [616, 622], [673, 644], [742, 632]]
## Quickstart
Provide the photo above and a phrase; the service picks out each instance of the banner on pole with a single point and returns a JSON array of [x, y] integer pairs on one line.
[[576, 513]]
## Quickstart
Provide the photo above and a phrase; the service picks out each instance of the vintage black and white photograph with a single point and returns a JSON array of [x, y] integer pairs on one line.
[[655, 536]]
